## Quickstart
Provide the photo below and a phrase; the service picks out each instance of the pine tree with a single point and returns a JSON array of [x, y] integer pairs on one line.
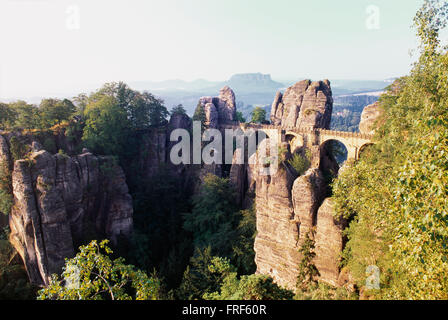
[[307, 270]]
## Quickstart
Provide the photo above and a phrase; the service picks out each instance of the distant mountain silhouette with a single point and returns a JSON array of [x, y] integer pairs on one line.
[[243, 83]]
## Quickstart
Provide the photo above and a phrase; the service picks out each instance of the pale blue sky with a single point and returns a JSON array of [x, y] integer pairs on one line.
[[43, 52]]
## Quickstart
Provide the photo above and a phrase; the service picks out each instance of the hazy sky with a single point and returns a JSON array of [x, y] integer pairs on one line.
[[51, 46]]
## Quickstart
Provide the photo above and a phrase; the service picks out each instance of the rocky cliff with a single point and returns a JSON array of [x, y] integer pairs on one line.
[[219, 109], [304, 104], [60, 201], [369, 117], [289, 206]]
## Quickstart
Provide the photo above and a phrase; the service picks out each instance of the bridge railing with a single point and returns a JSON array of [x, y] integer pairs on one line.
[[342, 134]]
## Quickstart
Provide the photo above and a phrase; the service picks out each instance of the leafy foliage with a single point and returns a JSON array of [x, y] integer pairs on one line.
[[214, 216], [179, 109], [258, 115], [14, 283], [307, 270], [300, 162], [54, 111], [396, 195], [159, 240], [240, 117], [249, 287], [215, 278], [243, 254], [106, 127], [204, 275], [324, 291], [93, 275], [199, 114], [6, 197]]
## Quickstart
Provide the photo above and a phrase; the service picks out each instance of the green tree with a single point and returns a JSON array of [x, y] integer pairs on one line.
[[243, 254], [250, 287], [27, 116], [308, 273], [54, 111], [7, 116], [258, 115], [6, 195], [14, 284], [205, 274], [396, 195], [157, 111], [179, 109], [159, 239], [301, 162], [142, 109], [214, 216], [93, 275], [240, 117], [106, 127], [80, 101], [199, 114]]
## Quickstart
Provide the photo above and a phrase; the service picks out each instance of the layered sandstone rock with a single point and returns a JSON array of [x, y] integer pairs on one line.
[[307, 195], [369, 117], [59, 201], [219, 109], [153, 152], [305, 104], [290, 207], [329, 242], [238, 173], [275, 246]]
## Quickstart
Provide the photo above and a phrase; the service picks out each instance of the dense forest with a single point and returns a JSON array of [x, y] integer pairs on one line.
[[200, 245]]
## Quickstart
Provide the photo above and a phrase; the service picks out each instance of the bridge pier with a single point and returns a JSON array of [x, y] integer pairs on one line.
[[352, 154]]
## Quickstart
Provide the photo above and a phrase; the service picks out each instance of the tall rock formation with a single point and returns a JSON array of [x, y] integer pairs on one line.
[[219, 109], [61, 201], [329, 242], [305, 104], [289, 206], [369, 117], [308, 192], [276, 240]]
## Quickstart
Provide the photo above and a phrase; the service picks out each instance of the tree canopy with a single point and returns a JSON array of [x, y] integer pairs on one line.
[[93, 275], [396, 195]]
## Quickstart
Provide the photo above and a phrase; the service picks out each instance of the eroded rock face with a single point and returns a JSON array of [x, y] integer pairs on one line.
[[219, 109], [307, 195], [226, 104], [153, 152], [285, 217], [369, 117], [290, 207], [59, 201], [329, 242], [305, 104], [238, 173], [275, 246]]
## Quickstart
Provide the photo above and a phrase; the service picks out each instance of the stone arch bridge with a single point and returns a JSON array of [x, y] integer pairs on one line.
[[314, 139]]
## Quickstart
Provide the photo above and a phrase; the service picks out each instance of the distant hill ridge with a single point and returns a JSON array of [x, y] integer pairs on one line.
[[242, 82]]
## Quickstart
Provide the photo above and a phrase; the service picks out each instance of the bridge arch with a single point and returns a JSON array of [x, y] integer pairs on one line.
[[295, 140], [333, 153], [348, 139], [363, 148]]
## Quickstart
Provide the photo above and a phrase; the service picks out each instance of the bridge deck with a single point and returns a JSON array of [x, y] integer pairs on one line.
[[342, 134]]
